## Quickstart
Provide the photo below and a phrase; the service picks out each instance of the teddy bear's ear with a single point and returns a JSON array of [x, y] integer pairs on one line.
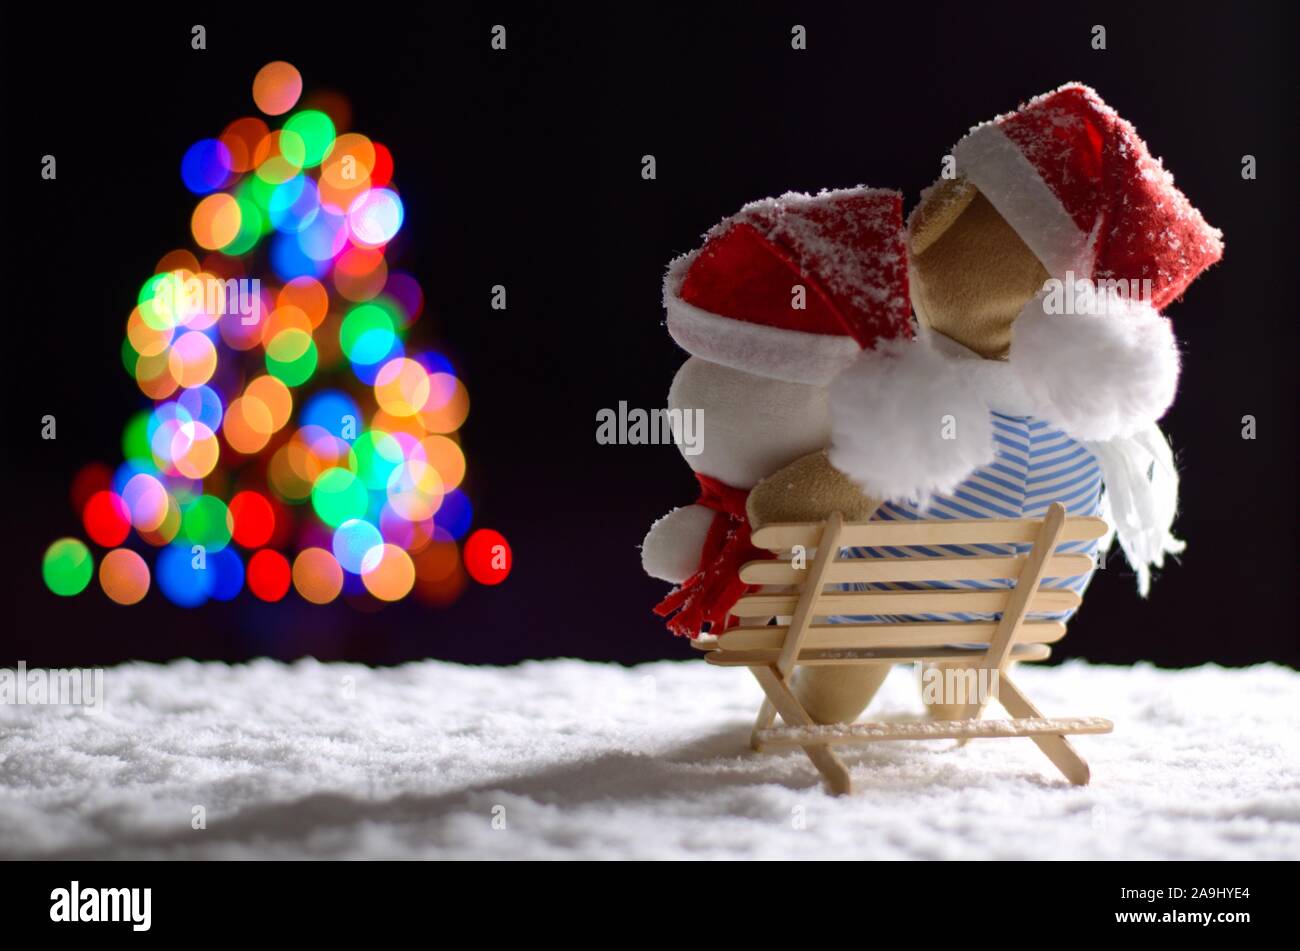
[[907, 423], [807, 490], [941, 205]]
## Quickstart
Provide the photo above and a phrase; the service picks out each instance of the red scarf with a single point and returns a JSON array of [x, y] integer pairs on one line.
[[711, 592]]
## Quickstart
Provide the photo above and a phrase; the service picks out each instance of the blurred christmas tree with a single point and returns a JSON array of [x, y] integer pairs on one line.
[[295, 438]]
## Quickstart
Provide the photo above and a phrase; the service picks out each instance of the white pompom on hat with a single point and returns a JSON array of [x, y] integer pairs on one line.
[[1105, 373]]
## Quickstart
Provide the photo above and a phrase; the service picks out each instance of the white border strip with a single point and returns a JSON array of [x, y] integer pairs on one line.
[[997, 167]]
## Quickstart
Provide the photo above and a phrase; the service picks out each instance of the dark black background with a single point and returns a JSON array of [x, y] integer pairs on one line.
[[523, 168]]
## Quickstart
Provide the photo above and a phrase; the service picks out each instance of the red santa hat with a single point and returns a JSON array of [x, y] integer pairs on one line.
[[1083, 192], [734, 300]]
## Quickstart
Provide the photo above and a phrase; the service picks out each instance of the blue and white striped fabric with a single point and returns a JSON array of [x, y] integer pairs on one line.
[[1035, 466]]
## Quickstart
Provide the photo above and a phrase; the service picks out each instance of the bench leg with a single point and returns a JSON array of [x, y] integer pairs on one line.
[[824, 758], [1057, 748], [766, 717]]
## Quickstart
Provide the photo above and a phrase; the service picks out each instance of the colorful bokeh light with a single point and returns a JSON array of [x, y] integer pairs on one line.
[[393, 575], [269, 575], [107, 519], [488, 558], [124, 576], [67, 567], [276, 88], [207, 166], [315, 130], [317, 576], [183, 578], [253, 519], [339, 495], [216, 221], [356, 546]]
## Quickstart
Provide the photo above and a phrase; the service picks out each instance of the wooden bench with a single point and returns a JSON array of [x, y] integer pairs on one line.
[[772, 652]]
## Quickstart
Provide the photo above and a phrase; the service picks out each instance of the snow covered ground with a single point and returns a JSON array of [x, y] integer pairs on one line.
[[575, 759]]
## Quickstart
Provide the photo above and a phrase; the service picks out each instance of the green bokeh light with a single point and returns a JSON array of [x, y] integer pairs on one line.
[[258, 191], [291, 357], [338, 495], [149, 288], [293, 150], [154, 318], [67, 567], [367, 334], [316, 132], [130, 359], [135, 438], [206, 521], [378, 454], [251, 228]]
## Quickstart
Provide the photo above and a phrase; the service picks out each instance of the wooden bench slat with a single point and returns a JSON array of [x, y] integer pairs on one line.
[[854, 733], [863, 570], [872, 636], [903, 602], [884, 655], [983, 531]]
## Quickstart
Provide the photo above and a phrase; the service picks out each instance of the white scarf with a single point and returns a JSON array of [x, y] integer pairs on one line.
[[1141, 498]]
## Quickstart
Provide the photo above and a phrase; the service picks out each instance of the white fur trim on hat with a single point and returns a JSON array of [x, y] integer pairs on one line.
[[794, 356], [1106, 374], [995, 165], [908, 422]]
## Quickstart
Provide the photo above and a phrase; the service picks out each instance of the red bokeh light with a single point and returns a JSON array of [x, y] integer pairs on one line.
[[488, 558], [269, 575], [254, 519], [382, 173], [107, 519]]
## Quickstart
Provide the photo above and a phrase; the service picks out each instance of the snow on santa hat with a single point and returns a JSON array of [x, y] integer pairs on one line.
[[1085, 195], [734, 301]]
